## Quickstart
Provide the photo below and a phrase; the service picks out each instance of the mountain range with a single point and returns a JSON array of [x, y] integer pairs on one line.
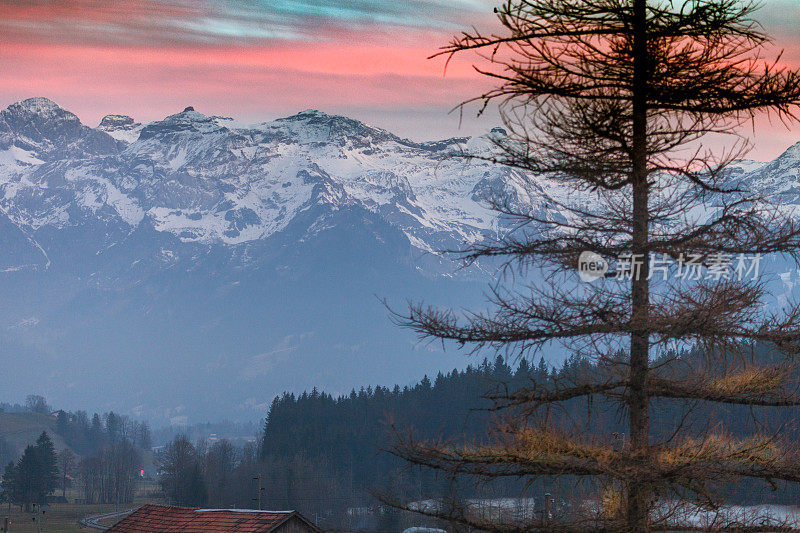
[[194, 267]]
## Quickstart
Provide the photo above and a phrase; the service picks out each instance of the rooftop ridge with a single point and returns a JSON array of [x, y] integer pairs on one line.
[[210, 510]]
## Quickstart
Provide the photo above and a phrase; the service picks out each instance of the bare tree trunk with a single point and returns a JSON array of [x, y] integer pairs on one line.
[[639, 401]]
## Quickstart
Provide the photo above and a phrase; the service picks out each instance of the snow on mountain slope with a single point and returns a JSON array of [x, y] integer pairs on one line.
[[121, 127], [780, 177], [209, 180]]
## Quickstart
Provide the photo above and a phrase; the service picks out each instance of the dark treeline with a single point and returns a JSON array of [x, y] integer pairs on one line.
[[325, 455], [451, 405], [346, 436], [86, 436], [83, 434]]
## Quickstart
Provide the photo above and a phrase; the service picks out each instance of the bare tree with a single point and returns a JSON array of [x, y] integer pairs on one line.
[[66, 463], [611, 100], [182, 478], [37, 404], [110, 475], [219, 463]]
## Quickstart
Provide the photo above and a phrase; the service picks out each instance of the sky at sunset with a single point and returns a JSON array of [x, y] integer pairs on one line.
[[261, 59]]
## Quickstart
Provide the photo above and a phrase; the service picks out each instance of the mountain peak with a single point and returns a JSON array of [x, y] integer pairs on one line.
[[188, 115], [120, 127], [187, 121], [792, 152], [312, 116], [189, 111], [38, 105], [41, 112], [38, 109], [313, 125], [116, 121], [789, 158], [41, 126]]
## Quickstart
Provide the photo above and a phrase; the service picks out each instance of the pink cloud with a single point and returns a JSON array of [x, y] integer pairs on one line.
[[341, 59], [247, 82], [151, 58]]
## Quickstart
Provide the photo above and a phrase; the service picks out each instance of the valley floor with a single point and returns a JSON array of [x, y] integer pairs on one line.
[[65, 517]]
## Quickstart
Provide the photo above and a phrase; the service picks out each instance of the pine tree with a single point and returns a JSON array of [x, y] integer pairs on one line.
[[10, 484], [35, 476], [48, 474], [96, 435], [611, 100], [27, 485]]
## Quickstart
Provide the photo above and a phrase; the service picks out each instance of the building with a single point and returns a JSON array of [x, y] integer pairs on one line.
[[167, 519]]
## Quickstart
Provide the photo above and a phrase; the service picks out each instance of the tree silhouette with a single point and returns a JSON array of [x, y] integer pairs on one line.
[[48, 465], [35, 475], [37, 404], [612, 100], [182, 480]]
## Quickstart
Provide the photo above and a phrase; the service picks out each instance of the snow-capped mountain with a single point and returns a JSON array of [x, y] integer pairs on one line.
[[121, 127], [202, 246], [195, 266], [206, 180]]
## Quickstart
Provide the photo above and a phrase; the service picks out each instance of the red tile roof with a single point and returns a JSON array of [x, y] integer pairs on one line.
[[168, 519]]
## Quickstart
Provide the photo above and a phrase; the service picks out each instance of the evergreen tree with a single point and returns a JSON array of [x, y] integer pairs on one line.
[[611, 99], [10, 486], [113, 427], [63, 424], [36, 473], [96, 433], [48, 465]]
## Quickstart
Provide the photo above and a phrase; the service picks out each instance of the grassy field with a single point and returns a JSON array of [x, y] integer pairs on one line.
[[63, 517]]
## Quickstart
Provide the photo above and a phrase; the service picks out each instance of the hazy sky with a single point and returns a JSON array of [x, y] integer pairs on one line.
[[261, 59]]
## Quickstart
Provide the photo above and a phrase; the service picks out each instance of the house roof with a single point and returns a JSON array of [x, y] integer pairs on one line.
[[169, 519]]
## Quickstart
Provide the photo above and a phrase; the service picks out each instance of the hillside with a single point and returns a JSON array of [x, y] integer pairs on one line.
[[21, 429]]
